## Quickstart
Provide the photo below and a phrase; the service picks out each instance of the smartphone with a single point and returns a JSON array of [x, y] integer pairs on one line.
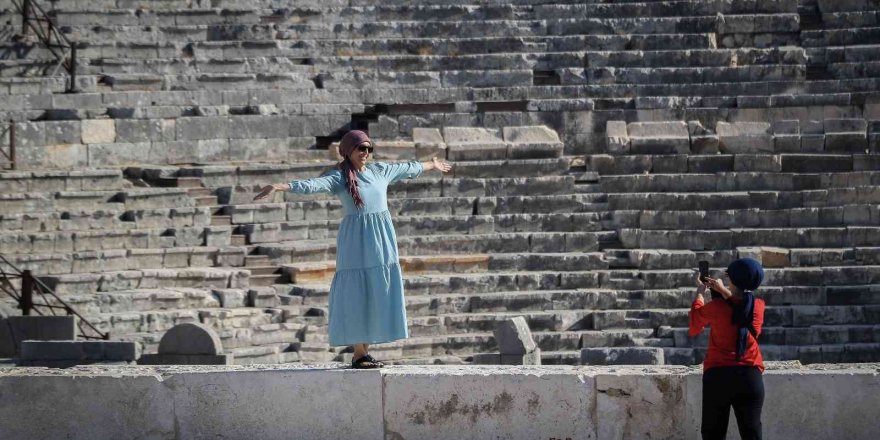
[[704, 274], [704, 270]]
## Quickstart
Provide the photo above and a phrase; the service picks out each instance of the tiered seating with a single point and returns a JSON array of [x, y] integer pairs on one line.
[[591, 236], [320, 67]]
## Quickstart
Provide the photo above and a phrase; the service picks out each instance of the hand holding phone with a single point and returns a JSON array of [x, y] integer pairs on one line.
[[704, 277]]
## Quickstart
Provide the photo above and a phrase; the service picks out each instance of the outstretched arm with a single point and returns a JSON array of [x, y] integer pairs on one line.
[[437, 164], [267, 190], [328, 183]]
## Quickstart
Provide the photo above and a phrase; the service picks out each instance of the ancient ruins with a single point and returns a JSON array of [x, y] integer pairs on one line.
[[601, 149]]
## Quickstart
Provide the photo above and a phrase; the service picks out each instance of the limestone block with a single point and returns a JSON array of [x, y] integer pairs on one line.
[[34, 328], [470, 135], [79, 351], [427, 136], [658, 137], [622, 356], [619, 395], [62, 132], [533, 358], [190, 338], [475, 152], [830, 6], [703, 141], [812, 143], [490, 402], [487, 359], [530, 135], [139, 130], [514, 337], [29, 134], [616, 137], [59, 156], [257, 127], [786, 136], [757, 162], [262, 297], [200, 128], [231, 298], [118, 154], [98, 131], [848, 135], [744, 137]]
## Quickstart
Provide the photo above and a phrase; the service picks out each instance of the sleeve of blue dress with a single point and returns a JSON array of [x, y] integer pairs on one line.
[[328, 183], [399, 171]]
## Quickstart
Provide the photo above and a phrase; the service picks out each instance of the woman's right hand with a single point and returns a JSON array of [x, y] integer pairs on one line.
[[701, 286], [267, 190]]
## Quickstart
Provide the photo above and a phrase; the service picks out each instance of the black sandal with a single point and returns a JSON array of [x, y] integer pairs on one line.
[[366, 362]]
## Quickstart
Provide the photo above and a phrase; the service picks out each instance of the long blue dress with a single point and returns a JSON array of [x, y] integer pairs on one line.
[[366, 295]]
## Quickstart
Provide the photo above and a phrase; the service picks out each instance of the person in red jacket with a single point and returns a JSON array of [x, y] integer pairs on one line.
[[733, 365]]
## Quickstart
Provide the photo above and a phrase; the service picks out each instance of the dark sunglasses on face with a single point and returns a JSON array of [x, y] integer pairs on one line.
[[366, 148]]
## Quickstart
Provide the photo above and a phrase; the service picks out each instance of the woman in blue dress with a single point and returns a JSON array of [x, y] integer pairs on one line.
[[366, 295]]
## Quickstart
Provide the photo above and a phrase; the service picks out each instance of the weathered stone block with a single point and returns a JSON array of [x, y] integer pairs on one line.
[[744, 137], [468, 135], [98, 131], [537, 134], [622, 356], [616, 137], [659, 137], [618, 395], [514, 337], [421, 404]]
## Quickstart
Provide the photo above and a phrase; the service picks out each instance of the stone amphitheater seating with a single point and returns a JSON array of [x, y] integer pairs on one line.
[[686, 131]]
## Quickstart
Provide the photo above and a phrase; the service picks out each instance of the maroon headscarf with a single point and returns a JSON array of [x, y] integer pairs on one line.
[[347, 145]]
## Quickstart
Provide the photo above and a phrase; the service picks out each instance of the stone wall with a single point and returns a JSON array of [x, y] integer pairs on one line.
[[454, 402]]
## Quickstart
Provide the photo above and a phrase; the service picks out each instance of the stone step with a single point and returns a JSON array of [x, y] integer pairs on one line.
[[732, 200], [809, 237], [640, 280], [323, 250], [846, 353], [416, 206], [237, 44], [129, 259], [94, 200], [725, 179], [807, 217], [140, 300], [53, 181], [109, 281], [841, 37], [711, 62], [476, 322], [121, 240], [104, 219], [269, 233], [214, 24], [546, 300], [757, 161], [796, 336]]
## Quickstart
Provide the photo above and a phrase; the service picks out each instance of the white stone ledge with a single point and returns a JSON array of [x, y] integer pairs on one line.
[[416, 402]]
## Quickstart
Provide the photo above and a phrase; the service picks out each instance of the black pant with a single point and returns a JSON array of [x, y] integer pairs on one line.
[[740, 387]]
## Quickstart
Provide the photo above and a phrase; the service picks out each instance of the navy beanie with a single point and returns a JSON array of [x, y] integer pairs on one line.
[[747, 274]]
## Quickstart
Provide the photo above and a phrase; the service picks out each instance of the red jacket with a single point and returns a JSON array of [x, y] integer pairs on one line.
[[722, 339]]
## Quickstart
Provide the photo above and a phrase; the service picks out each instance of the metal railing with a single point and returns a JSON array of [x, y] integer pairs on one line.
[[34, 18], [7, 155], [34, 296]]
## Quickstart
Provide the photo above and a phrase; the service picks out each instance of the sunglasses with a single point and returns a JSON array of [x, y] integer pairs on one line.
[[366, 148]]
